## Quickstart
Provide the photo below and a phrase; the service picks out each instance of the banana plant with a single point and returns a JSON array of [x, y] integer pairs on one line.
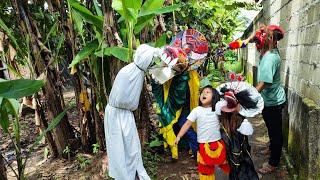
[[10, 91], [136, 16], [96, 47]]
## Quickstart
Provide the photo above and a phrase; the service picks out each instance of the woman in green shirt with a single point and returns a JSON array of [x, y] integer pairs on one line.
[[269, 85]]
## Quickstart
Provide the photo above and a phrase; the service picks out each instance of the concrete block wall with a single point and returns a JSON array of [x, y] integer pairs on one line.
[[300, 74]]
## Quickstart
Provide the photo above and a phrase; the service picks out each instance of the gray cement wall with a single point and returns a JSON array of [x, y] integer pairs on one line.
[[300, 74]]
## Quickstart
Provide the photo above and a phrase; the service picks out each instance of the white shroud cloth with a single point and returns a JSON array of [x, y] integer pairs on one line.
[[122, 140]]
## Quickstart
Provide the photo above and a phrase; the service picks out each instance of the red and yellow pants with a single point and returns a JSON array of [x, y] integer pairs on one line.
[[210, 155]]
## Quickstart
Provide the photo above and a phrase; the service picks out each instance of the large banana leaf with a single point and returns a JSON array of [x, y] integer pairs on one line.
[[161, 41], [19, 88], [85, 52], [150, 5], [127, 8], [9, 107], [145, 16], [142, 22], [77, 21], [162, 10], [97, 8], [13, 106], [121, 53], [86, 14], [4, 118]]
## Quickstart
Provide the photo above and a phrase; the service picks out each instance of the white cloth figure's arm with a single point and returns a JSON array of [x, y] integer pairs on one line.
[[219, 105], [245, 128]]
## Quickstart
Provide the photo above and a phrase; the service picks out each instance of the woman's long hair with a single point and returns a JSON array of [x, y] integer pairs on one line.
[[230, 122], [215, 97]]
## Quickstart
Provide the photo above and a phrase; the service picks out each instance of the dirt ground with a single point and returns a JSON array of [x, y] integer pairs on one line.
[[92, 166]]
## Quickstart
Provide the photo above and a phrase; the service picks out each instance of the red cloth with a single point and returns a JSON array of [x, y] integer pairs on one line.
[[213, 156]]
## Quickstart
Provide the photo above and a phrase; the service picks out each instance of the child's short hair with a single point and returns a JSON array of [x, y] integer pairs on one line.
[[215, 96]]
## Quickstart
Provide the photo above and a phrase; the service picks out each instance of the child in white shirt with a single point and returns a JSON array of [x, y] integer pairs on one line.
[[212, 150]]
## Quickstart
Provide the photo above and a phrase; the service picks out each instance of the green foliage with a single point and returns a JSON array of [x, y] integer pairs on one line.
[[45, 153], [161, 41], [95, 148], [10, 91], [94, 48], [151, 160], [85, 52], [9, 32], [230, 56], [19, 88], [67, 151], [87, 15], [119, 52], [155, 143], [217, 20], [137, 16], [83, 161], [233, 66]]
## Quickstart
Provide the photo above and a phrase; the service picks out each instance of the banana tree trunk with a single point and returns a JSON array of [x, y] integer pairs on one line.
[[110, 33], [3, 170], [142, 116], [41, 60], [39, 113], [85, 116]]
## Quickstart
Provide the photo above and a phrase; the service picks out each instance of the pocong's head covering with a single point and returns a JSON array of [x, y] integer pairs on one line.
[[261, 35], [144, 55], [237, 92], [194, 44]]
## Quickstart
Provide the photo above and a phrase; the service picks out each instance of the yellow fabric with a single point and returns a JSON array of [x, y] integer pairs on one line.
[[200, 159], [206, 177], [215, 153], [167, 132], [194, 86]]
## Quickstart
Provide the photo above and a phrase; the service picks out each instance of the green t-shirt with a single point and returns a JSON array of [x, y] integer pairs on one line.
[[269, 73]]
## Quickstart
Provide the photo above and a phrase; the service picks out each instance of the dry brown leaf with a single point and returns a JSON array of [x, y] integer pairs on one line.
[[83, 98], [73, 70], [12, 52], [1, 41]]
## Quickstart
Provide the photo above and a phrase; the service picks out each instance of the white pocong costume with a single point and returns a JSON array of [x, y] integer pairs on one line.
[[122, 140]]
